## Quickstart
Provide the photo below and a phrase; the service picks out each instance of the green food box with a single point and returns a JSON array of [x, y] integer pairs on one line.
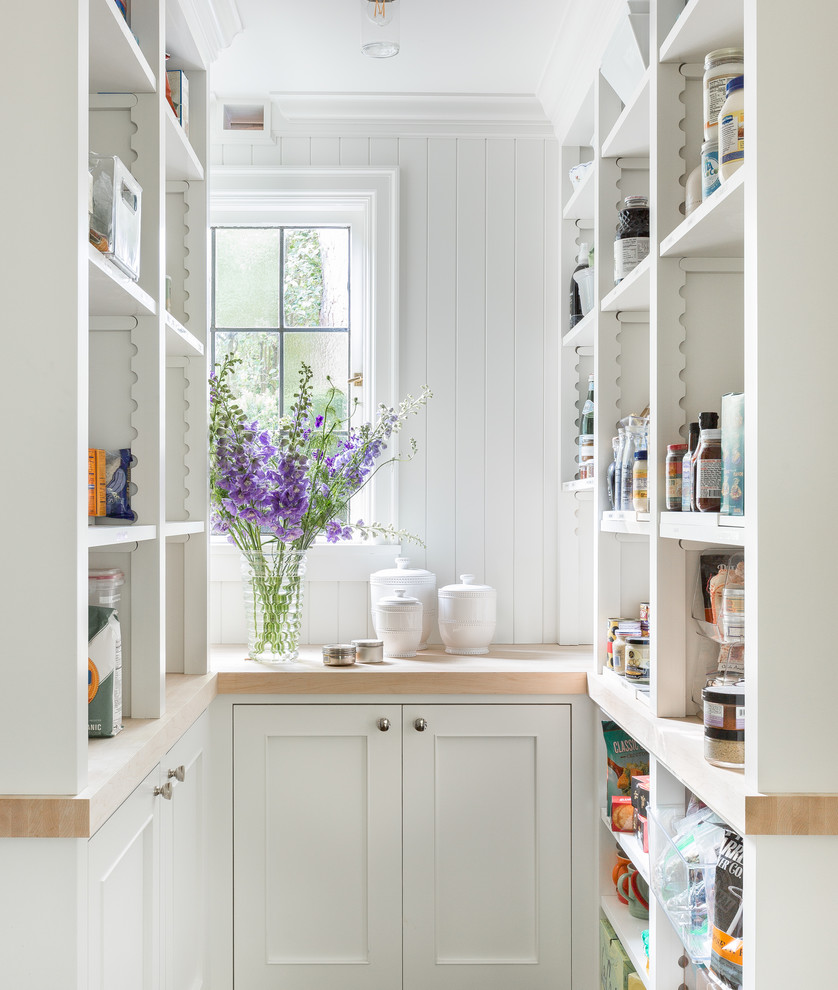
[[733, 454], [621, 967], [607, 935]]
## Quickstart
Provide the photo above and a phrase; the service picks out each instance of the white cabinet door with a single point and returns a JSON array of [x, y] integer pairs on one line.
[[184, 858], [124, 894], [317, 847], [487, 847]]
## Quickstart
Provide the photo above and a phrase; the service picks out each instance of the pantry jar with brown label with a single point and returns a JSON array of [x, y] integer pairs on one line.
[[708, 471]]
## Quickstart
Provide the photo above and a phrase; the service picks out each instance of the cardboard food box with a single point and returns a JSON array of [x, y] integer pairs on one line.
[[179, 85], [621, 967], [733, 454], [606, 936]]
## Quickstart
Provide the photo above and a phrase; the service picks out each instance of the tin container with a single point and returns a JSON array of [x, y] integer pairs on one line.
[[338, 654], [369, 650]]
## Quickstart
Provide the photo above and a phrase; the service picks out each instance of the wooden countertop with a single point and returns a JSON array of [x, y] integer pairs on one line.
[[504, 670], [116, 766]]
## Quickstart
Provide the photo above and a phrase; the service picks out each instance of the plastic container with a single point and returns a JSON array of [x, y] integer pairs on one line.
[[585, 279], [683, 877], [710, 180], [117, 202], [732, 130], [719, 67], [640, 482], [103, 586]]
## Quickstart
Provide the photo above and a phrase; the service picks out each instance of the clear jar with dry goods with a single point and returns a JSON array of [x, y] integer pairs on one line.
[[674, 465], [724, 724]]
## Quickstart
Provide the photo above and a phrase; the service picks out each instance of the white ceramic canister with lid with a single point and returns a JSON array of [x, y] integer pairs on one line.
[[467, 616], [398, 622], [415, 580]]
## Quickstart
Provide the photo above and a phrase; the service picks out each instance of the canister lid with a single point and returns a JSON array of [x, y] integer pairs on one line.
[[398, 601], [710, 145], [467, 589], [637, 640], [676, 448], [403, 572], [729, 735], [738, 82], [106, 574], [725, 694], [720, 55]]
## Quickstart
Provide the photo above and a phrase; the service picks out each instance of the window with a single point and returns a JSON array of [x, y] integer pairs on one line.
[[272, 206], [281, 298]]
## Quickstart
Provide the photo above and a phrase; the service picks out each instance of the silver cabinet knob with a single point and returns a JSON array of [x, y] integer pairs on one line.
[[165, 790], [384, 724], [420, 725], [179, 773]]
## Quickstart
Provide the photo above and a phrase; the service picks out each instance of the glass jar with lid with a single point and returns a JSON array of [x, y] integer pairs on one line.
[[631, 244], [674, 466], [708, 471], [637, 659], [720, 66]]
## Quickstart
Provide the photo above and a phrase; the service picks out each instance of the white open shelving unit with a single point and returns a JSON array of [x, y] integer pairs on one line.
[[114, 369], [711, 311]]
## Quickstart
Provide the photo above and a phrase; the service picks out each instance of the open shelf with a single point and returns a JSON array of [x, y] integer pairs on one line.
[[630, 135], [704, 25], [630, 845], [716, 229], [181, 160], [581, 485], [179, 341], [116, 64], [703, 527], [111, 536], [112, 293], [626, 522], [633, 294], [629, 932], [580, 206], [184, 527], [582, 335]]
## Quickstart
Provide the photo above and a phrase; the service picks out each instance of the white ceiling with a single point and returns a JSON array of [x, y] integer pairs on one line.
[[447, 46]]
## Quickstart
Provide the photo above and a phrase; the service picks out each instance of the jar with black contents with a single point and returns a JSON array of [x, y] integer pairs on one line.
[[631, 245]]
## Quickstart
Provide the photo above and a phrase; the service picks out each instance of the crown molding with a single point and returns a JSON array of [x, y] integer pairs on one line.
[[406, 114]]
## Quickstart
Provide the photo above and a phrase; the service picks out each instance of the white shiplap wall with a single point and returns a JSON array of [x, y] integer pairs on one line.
[[479, 323]]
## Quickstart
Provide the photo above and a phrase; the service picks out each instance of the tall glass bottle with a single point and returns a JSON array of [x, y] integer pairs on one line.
[[575, 301], [586, 420], [686, 470], [612, 473], [618, 467]]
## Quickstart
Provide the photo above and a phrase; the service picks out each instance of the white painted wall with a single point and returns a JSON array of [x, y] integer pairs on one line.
[[479, 323]]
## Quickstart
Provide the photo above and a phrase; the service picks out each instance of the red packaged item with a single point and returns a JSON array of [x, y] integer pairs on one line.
[[622, 814]]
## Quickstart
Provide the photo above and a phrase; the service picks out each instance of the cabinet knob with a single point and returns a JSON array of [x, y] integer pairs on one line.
[[420, 725], [165, 790], [179, 773], [384, 724]]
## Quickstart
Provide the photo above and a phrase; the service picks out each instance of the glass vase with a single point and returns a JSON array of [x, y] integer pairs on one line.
[[272, 581]]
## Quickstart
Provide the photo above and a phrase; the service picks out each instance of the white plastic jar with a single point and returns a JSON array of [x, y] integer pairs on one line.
[[732, 129], [719, 67]]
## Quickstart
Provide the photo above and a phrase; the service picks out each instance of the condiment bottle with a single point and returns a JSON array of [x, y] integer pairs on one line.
[[640, 482], [706, 421], [631, 245], [686, 470], [586, 420], [708, 471], [674, 464], [732, 129], [575, 301]]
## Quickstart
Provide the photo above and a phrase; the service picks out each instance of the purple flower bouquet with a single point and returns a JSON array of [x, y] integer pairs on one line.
[[275, 494]]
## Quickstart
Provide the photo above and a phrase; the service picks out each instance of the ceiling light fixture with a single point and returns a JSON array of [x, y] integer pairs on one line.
[[380, 27]]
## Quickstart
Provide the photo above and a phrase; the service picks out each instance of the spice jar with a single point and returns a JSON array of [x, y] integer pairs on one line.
[[720, 66], [724, 725], [674, 464], [631, 245], [708, 471], [637, 659], [733, 614], [640, 482], [618, 647]]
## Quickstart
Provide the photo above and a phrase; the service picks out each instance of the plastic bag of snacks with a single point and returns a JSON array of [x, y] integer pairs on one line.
[[625, 759], [726, 947], [104, 672]]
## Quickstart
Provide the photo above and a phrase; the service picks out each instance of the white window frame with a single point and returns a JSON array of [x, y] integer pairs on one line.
[[367, 199]]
